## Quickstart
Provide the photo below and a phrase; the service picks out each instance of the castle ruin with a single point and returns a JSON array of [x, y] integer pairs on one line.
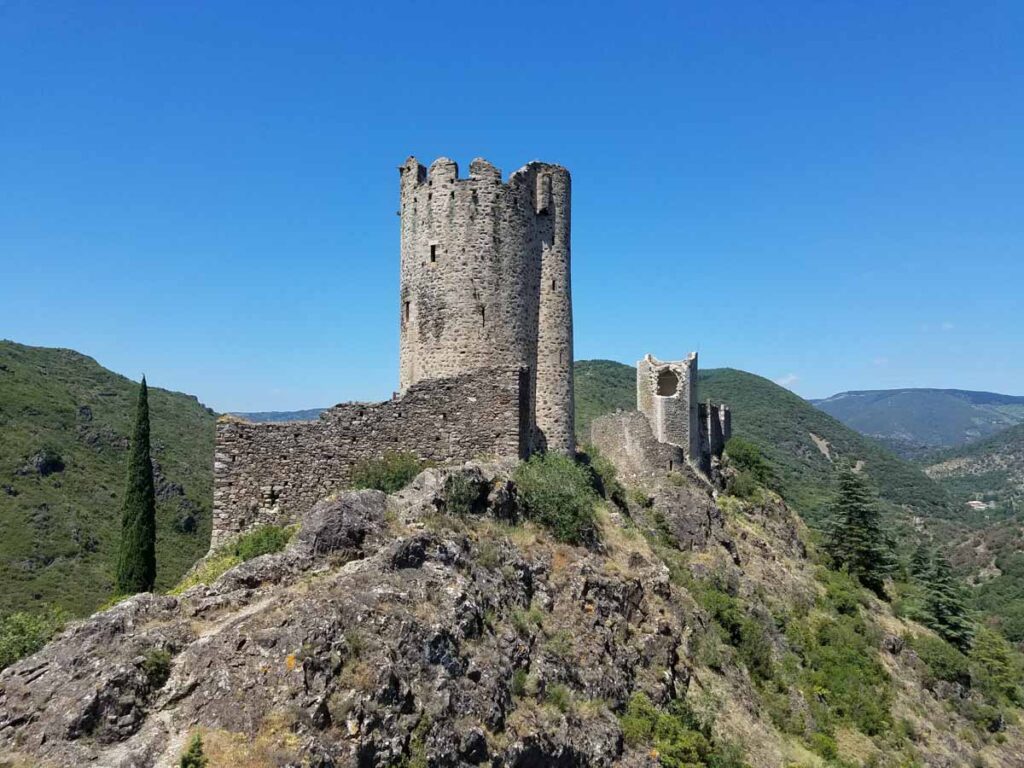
[[486, 354], [485, 280], [670, 428]]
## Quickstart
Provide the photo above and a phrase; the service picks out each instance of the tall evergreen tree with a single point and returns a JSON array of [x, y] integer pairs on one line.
[[856, 540], [947, 604], [136, 562], [921, 560]]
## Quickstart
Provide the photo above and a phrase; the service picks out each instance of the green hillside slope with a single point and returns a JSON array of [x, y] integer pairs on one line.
[[802, 442], [65, 420], [990, 470]]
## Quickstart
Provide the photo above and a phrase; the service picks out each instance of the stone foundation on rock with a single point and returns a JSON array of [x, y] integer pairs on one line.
[[268, 473]]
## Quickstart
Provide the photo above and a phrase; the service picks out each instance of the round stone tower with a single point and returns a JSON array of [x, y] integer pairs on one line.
[[485, 283]]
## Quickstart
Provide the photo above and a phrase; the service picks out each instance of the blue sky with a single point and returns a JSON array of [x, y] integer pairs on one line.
[[827, 194]]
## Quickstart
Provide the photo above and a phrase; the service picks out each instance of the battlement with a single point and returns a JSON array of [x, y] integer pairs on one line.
[[444, 170]]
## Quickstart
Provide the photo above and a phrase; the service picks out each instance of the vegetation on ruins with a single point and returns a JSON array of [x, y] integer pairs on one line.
[[263, 540], [389, 473], [136, 563], [559, 494]]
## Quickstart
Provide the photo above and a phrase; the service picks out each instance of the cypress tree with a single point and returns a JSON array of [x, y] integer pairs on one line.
[[136, 562], [947, 605], [856, 541]]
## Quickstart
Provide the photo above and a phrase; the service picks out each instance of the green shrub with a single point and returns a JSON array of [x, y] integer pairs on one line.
[[193, 756], [944, 662], [843, 679], [604, 476], [743, 485], [157, 666], [557, 493], [996, 669], [208, 571], [681, 742], [389, 473], [740, 630], [558, 696], [463, 495], [22, 634], [639, 498], [264, 540], [747, 458], [824, 745], [843, 593], [519, 683]]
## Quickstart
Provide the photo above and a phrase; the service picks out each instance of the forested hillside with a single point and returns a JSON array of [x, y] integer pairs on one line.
[[65, 422]]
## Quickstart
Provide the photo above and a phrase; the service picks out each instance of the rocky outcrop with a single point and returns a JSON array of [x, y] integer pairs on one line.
[[435, 628], [387, 628]]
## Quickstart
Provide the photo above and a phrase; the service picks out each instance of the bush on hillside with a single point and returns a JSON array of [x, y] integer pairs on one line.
[[264, 540], [389, 473], [674, 735], [557, 493], [464, 494], [943, 660], [746, 457], [996, 669], [22, 634], [604, 476]]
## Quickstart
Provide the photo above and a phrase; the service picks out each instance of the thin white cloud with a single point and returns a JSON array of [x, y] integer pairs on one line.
[[880, 362], [947, 326], [788, 380]]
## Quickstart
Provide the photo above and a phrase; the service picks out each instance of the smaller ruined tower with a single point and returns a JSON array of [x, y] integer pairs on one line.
[[666, 393]]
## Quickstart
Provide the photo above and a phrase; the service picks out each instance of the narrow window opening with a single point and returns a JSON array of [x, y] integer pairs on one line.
[[552, 285], [670, 465], [452, 195], [405, 312], [483, 316], [433, 253]]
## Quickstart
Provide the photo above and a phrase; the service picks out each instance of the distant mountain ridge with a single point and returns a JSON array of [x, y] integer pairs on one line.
[[914, 422], [304, 415]]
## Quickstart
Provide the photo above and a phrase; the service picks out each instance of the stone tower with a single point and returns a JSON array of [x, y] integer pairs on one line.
[[485, 282], [666, 393]]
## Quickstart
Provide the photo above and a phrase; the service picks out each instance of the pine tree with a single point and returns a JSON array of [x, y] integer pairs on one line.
[[857, 541], [193, 757], [921, 560], [947, 604], [136, 563]]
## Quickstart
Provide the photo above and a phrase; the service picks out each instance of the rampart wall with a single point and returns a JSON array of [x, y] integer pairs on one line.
[[266, 473]]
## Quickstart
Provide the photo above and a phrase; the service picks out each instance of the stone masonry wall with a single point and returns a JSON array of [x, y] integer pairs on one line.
[[267, 473], [625, 438], [666, 393], [485, 280]]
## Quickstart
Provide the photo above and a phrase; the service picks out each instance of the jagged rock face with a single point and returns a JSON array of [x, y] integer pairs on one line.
[[385, 629]]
